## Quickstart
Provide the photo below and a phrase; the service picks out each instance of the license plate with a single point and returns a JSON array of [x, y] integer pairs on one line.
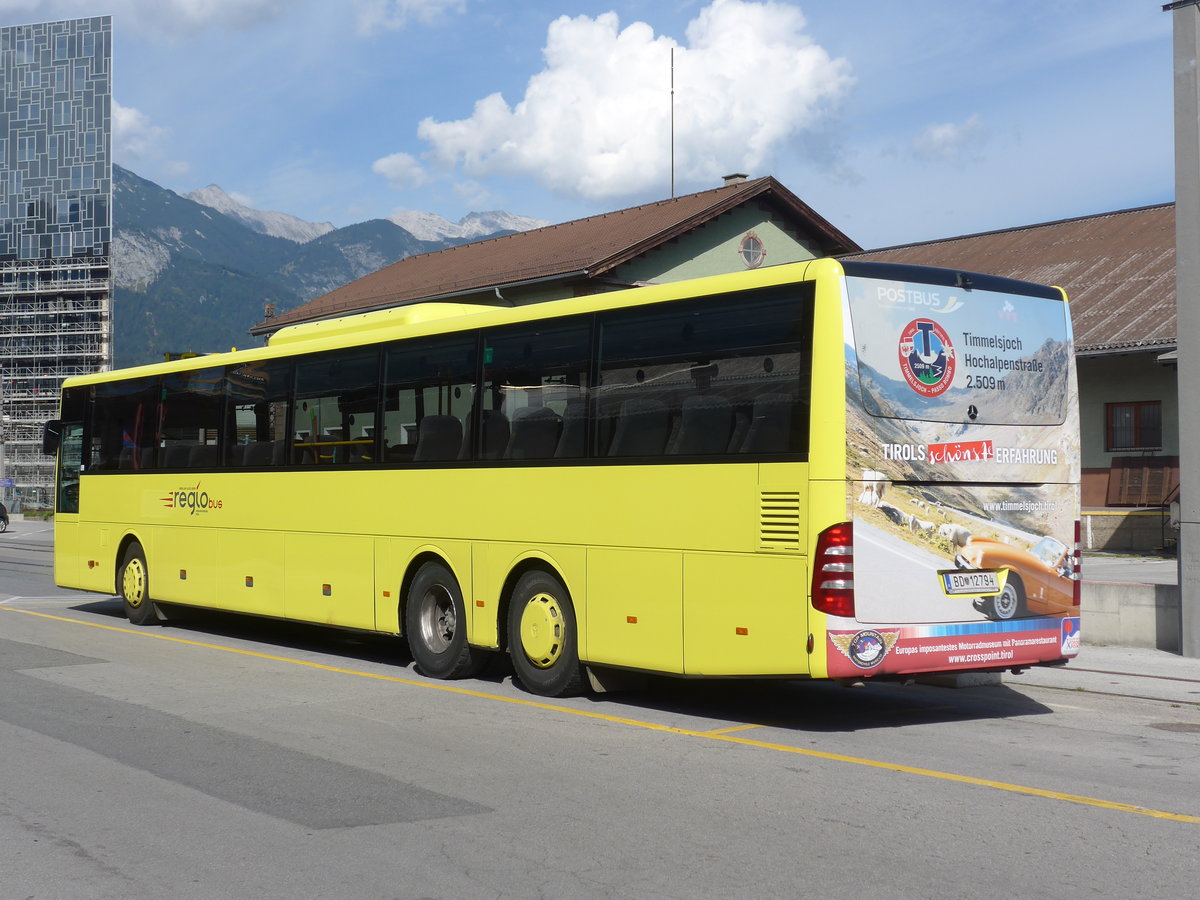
[[975, 582]]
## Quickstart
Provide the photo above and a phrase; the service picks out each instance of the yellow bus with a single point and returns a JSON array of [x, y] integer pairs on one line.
[[832, 469]]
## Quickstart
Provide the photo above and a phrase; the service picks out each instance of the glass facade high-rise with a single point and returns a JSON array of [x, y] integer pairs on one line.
[[55, 232]]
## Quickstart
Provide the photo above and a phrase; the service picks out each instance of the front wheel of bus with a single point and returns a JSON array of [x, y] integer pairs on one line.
[[435, 620], [134, 584], [1010, 602], [542, 637]]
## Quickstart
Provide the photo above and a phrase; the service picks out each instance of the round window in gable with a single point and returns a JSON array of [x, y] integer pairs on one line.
[[752, 250]]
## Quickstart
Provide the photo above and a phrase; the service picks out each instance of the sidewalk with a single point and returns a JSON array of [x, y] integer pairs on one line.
[[1138, 671], [1127, 569], [1130, 671]]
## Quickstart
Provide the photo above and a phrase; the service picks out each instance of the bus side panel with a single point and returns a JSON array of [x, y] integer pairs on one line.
[[185, 565], [68, 558], [394, 557], [330, 579], [828, 439], [389, 575], [745, 615], [635, 608], [97, 563], [828, 504], [492, 564], [250, 571]]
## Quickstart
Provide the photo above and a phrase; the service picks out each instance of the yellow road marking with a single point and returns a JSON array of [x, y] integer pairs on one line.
[[719, 735], [733, 728]]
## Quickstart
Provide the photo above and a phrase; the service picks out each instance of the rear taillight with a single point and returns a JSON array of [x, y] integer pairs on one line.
[[833, 571], [1077, 588]]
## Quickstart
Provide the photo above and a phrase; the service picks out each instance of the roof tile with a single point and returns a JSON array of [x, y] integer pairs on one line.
[[592, 246], [1117, 268]]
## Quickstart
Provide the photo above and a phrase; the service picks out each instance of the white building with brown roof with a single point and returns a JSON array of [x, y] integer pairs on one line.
[[742, 224]]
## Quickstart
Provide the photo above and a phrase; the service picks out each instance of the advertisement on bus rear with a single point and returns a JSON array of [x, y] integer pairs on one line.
[[963, 475]]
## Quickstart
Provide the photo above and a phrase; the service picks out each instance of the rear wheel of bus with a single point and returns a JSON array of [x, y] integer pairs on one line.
[[435, 621], [543, 640], [133, 582]]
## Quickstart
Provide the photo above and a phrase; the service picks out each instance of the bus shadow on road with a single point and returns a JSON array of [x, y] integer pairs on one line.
[[331, 644], [827, 706], [814, 706]]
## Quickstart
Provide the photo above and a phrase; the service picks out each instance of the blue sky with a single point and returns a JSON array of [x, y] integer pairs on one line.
[[897, 121]]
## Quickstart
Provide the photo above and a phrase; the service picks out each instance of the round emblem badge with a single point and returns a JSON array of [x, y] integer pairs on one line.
[[867, 649], [926, 357]]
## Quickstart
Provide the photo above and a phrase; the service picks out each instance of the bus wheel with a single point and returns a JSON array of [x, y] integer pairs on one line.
[[134, 582], [435, 621], [542, 638], [1010, 602]]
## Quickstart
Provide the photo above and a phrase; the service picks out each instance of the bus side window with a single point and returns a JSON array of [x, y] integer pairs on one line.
[[125, 425], [730, 372], [531, 374], [258, 399], [430, 378], [335, 406], [191, 419]]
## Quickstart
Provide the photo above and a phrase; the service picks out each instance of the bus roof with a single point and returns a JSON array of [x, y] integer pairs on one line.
[[421, 319]]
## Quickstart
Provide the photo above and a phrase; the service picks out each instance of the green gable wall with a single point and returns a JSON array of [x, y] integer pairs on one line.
[[713, 248]]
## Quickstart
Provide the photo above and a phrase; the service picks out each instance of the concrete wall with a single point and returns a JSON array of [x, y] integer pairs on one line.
[[1131, 615], [1127, 531]]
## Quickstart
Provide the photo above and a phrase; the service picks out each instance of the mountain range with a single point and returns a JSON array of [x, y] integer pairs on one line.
[[193, 272]]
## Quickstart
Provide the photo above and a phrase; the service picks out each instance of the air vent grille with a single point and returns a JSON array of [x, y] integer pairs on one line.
[[779, 521]]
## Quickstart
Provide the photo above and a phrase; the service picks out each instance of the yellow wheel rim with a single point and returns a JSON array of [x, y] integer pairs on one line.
[[133, 583], [542, 630]]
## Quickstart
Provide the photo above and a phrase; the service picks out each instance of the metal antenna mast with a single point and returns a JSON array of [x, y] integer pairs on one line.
[[672, 123]]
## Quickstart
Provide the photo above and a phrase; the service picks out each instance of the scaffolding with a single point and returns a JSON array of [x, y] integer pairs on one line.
[[55, 322]]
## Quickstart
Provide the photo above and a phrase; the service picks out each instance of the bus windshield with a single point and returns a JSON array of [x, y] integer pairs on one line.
[[945, 354]]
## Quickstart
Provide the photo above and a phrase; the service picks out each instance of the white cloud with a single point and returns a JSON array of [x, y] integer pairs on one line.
[[473, 194], [595, 122], [138, 143], [376, 15], [134, 137], [401, 170], [949, 142]]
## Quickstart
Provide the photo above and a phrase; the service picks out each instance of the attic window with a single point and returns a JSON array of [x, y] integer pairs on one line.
[[752, 251]]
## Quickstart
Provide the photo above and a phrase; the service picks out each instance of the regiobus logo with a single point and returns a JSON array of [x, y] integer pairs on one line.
[[193, 500]]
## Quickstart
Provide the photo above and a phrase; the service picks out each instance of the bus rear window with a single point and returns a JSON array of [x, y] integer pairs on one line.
[[945, 354]]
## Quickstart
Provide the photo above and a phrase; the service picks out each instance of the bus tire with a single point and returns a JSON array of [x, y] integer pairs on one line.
[[1010, 602], [133, 583], [435, 622], [543, 640]]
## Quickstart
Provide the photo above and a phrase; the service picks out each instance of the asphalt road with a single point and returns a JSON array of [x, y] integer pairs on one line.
[[230, 757], [901, 575]]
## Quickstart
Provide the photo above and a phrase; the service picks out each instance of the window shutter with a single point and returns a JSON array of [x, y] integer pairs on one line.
[[1142, 480]]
